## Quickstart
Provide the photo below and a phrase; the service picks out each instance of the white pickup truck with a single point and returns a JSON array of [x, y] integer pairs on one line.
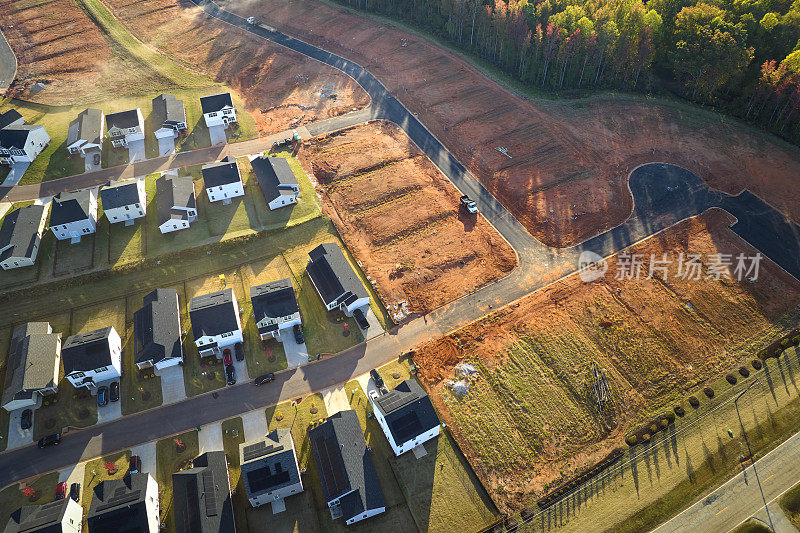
[[469, 204]]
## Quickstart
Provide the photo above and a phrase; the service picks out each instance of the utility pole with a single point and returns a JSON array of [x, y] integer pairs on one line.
[[750, 452]]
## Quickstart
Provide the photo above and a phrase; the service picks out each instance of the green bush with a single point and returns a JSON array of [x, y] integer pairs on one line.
[[631, 440]]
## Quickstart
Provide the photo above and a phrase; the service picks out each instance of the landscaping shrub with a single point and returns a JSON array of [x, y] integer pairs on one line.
[[585, 473], [694, 402], [631, 440], [646, 437], [679, 411], [670, 417], [730, 378], [708, 391], [744, 372], [756, 364], [664, 423]]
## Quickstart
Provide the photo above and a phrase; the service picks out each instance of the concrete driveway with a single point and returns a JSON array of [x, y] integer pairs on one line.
[[241, 370], [166, 145], [108, 412], [254, 424], [88, 161], [210, 437], [147, 454], [73, 474], [172, 386], [296, 354], [335, 399], [13, 177], [217, 134], [18, 437], [375, 327], [136, 151]]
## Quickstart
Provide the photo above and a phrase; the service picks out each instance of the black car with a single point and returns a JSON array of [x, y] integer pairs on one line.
[[102, 396], [266, 378], [96, 159], [298, 334], [230, 373], [376, 378], [238, 351], [361, 320], [50, 440], [26, 420], [113, 391], [75, 491]]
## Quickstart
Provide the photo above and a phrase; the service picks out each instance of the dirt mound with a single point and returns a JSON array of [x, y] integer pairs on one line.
[[438, 358]]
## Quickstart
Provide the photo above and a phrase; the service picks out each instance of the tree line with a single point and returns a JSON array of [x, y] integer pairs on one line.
[[739, 55]]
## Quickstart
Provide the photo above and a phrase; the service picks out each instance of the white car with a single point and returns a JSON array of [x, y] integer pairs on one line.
[[251, 20], [373, 394]]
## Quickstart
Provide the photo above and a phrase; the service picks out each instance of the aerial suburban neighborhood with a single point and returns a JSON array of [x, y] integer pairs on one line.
[[411, 266]]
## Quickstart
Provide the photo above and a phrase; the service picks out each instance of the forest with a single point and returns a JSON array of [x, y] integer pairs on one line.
[[741, 56]]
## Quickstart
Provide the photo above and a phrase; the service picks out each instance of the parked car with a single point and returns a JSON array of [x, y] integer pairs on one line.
[[238, 351], [298, 334], [26, 420], [113, 391], [266, 378], [469, 204], [251, 20], [102, 396], [61, 491], [226, 357], [361, 320], [230, 373], [96, 159], [75, 491], [134, 465], [50, 440], [373, 394], [376, 378]]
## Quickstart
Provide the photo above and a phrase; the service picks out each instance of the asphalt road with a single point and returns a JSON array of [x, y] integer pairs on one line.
[[8, 64]]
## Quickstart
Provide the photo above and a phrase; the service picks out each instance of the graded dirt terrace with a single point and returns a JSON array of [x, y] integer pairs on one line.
[[530, 417], [565, 179], [400, 218]]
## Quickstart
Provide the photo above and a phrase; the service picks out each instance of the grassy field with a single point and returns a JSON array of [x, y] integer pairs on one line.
[[790, 502], [168, 461], [96, 472], [11, 498]]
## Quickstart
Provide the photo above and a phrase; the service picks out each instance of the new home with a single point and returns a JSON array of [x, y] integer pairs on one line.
[[277, 181], [269, 469], [216, 323], [125, 127], [60, 516], [218, 110], [337, 283], [93, 357], [157, 331], [85, 133], [275, 308], [34, 362], [201, 496], [74, 214], [169, 116], [124, 200], [20, 236], [126, 504], [406, 416], [222, 181], [346, 472], [22, 143], [176, 205], [11, 118]]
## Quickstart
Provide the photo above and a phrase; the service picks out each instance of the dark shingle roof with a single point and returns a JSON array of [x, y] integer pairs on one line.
[[201, 496], [273, 300], [408, 411], [167, 109], [16, 136], [215, 102], [119, 194], [157, 327], [274, 175], [269, 464], [174, 191], [333, 276], [88, 127], [123, 119], [44, 518], [221, 173], [87, 351], [344, 464], [70, 207], [20, 229], [32, 361], [213, 314], [12, 115], [119, 505]]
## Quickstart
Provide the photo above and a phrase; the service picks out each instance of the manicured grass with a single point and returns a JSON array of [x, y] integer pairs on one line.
[[72, 407], [11, 497], [232, 436], [168, 461], [126, 243], [790, 502], [74, 258], [96, 472], [396, 372], [139, 389]]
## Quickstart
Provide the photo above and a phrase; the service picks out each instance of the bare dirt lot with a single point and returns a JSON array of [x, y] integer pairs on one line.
[[529, 416], [400, 217], [565, 180]]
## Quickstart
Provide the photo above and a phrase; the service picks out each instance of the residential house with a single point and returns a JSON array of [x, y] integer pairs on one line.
[[275, 308], [216, 323], [124, 200], [60, 516], [169, 116], [20, 236], [223, 181], [345, 467], [85, 133], [74, 214], [125, 127], [125, 505], [277, 181], [176, 205], [11, 118], [201, 496], [93, 357], [22, 143], [157, 331], [337, 283], [34, 360], [269, 469], [406, 416], [218, 110]]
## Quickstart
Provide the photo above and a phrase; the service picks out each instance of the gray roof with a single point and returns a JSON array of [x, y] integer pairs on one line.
[[70, 207], [273, 300], [201, 496], [171, 192], [167, 110], [333, 276], [213, 314], [215, 102], [9, 117], [20, 229], [408, 411], [221, 173], [88, 127], [87, 351], [119, 505], [123, 119], [344, 464], [269, 464], [16, 136], [120, 193], [157, 327], [274, 176], [45, 518], [33, 361]]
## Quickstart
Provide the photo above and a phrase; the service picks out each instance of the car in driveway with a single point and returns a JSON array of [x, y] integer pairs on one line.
[[75, 491], [238, 351], [113, 391], [134, 465], [361, 319], [26, 419], [230, 374], [373, 394], [266, 378], [50, 440], [226, 357], [299, 338], [102, 396], [96, 159], [61, 491], [376, 377]]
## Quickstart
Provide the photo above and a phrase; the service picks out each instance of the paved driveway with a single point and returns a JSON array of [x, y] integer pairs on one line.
[[8, 64], [335, 399], [210, 437], [254, 424], [136, 151], [166, 145], [217, 134], [375, 327], [147, 454], [73, 474], [15, 174], [172, 386], [241, 370], [88, 161], [108, 412], [18, 437], [296, 354]]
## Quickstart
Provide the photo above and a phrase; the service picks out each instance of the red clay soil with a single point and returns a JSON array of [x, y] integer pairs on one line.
[[658, 341], [400, 218], [566, 178]]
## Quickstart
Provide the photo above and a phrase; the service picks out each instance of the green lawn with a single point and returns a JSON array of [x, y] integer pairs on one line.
[[199, 375], [168, 461], [139, 389], [790, 502], [71, 407], [11, 497], [96, 472]]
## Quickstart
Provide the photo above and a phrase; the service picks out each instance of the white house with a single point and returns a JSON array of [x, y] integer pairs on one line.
[[269, 469], [223, 181], [218, 110], [11, 118], [20, 236], [336, 282], [85, 133], [74, 214], [277, 181], [406, 416], [275, 308], [93, 357], [346, 472], [129, 503], [216, 323], [157, 331], [34, 360], [176, 205], [60, 516], [22, 143], [124, 201], [125, 127], [169, 116]]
